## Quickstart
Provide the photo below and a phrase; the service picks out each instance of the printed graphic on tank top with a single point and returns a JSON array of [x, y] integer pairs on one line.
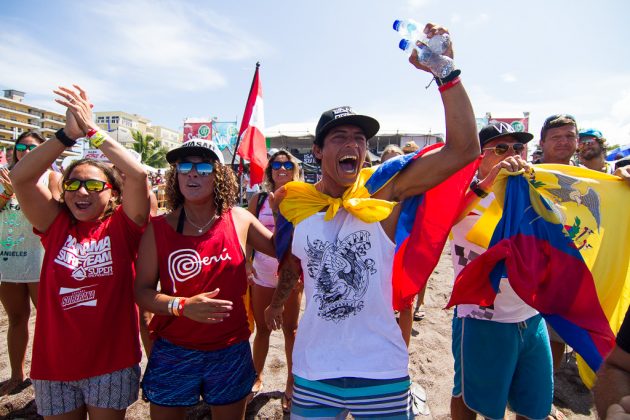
[[348, 328]]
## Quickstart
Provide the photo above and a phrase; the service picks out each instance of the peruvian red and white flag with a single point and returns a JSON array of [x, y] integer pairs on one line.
[[253, 146]]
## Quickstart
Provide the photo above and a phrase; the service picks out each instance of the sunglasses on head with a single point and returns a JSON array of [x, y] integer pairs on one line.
[[20, 147], [202, 168], [91, 185], [502, 148], [288, 165]]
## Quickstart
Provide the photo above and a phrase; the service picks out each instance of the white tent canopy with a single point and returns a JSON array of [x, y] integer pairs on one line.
[[306, 129]]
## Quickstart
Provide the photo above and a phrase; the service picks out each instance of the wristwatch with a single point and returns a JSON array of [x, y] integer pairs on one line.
[[474, 187]]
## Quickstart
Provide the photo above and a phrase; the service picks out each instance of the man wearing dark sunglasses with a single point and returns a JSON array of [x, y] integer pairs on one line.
[[558, 139], [484, 370]]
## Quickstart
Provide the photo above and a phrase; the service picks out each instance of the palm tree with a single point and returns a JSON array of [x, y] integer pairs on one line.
[[151, 150]]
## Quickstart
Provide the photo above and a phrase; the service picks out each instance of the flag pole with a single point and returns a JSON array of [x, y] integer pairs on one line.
[[238, 139]]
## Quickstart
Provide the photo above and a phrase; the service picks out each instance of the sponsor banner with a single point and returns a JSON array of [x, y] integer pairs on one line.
[[95, 154], [481, 123], [520, 124], [309, 159], [225, 134], [197, 129]]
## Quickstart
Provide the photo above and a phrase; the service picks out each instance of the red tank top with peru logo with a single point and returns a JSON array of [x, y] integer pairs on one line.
[[190, 265]]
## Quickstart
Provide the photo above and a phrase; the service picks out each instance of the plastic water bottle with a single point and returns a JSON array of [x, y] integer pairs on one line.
[[440, 65], [410, 30]]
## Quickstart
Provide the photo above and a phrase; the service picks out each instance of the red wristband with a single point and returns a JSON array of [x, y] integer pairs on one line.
[[180, 307], [91, 132], [446, 86]]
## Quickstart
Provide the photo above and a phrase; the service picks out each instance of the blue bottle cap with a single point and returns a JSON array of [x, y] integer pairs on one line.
[[397, 23], [404, 44]]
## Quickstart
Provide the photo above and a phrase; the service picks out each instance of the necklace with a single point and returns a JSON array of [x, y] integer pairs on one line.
[[201, 228]]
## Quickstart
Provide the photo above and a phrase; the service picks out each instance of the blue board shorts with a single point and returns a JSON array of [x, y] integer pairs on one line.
[[497, 364], [363, 398], [177, 376]]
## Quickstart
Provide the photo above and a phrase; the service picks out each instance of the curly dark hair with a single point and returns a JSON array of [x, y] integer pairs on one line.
[[225, 188], [112, 175]]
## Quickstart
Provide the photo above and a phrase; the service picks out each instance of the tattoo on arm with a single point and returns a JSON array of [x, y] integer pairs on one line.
[[289, 274]]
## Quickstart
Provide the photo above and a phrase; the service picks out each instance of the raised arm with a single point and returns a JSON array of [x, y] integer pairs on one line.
[[36, 200], [462, 142], [135, 196]]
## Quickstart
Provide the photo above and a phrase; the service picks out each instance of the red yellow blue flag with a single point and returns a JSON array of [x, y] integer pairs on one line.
[[423, 226], [559, 235]]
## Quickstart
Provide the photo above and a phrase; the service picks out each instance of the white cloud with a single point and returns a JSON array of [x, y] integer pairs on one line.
[[170, 44], [609, 113], [31, 67], [509, 77], [416, 5], [480, 19], [124, 50]]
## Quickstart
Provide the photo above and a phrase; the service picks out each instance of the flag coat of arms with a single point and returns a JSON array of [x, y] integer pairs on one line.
[[560, 235]]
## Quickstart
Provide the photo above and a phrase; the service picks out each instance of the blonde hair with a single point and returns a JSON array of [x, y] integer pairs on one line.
[[298, 173]]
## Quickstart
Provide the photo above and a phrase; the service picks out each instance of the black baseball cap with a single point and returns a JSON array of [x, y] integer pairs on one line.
[[496, 130], [344, 115], [196, 147]]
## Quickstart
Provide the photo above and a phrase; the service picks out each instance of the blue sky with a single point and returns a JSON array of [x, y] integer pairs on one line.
[[168, 60]]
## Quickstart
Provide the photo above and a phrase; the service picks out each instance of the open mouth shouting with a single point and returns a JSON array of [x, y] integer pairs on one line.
[[82, 204], [349, 164]]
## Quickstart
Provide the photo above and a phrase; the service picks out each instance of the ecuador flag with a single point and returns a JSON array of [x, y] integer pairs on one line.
[[560, 235]]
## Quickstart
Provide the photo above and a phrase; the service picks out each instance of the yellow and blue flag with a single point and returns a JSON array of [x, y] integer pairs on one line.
[[559, 234]]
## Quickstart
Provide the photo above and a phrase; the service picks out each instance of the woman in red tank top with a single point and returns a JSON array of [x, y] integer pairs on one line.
[[86, 350], [196, 252]]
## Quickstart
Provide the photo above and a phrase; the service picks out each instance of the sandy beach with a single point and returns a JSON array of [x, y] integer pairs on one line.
[[431, 366]]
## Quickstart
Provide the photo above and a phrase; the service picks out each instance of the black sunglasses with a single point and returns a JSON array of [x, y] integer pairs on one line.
[[20, 147], [91, 185], [502, 148], [202, 168], [288, 165]]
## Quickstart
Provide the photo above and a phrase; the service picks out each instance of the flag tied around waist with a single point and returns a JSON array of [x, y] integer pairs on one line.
[[559, 234], [423, 225]]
